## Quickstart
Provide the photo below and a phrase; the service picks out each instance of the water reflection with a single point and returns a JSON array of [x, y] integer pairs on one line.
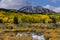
[[39, 37], [33, 35]]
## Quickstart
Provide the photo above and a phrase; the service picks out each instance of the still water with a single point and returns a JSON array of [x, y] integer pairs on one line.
[[34, 36]]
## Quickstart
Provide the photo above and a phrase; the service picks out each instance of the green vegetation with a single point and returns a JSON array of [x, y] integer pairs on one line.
[[14, 21]]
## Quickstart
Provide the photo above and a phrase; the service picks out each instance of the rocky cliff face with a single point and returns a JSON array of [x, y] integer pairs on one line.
[[35, 9]]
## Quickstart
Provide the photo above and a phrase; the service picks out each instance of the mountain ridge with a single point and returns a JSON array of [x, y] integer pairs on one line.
[[35, 9], [30, 9]]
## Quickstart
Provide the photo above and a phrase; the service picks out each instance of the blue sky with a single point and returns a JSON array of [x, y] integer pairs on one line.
[[45, 2], [50, 4]]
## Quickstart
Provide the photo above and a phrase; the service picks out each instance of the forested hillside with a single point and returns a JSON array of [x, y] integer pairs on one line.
[[9, 16]]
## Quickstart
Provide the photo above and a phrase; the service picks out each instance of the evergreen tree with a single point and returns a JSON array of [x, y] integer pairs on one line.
[[1, 21], [15, 20], [53, 19]]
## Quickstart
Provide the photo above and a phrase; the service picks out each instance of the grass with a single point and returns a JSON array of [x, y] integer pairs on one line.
[[7, 29]]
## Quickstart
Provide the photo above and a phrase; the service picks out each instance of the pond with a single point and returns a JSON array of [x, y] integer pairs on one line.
[[33, 35]]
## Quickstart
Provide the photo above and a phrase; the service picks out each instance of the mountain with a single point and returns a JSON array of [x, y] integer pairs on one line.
[[34, 9], [29, 9]]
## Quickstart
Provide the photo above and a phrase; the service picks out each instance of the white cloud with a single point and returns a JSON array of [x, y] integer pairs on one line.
[[18, 3], [49, 7], [56, 9], [12, 3]]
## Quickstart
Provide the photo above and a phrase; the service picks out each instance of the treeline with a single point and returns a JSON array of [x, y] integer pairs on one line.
[[17, 17]]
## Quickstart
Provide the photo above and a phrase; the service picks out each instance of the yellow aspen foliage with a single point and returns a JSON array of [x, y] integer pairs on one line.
[[10, 20], [1, 15], [19, 19], [48, 20], [44, 16], [5, 19]]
